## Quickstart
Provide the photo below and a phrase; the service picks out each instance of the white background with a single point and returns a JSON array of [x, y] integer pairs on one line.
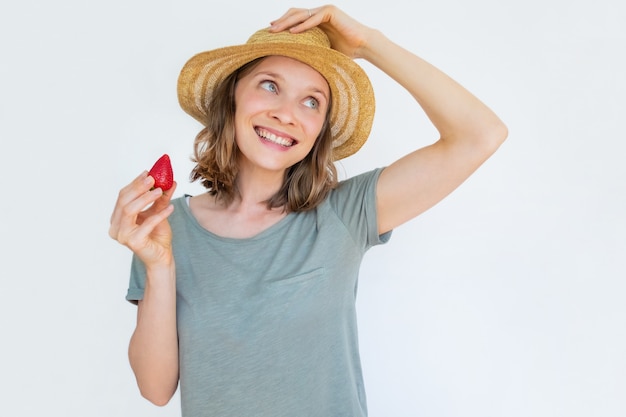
[[506, 299]]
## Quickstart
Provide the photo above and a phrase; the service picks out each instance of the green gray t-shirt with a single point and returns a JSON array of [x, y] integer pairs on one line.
[[267, 325]]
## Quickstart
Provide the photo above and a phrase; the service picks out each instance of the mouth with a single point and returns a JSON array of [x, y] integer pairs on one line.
[[273, 138]]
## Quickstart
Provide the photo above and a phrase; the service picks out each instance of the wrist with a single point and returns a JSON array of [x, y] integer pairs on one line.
[[163, 268]]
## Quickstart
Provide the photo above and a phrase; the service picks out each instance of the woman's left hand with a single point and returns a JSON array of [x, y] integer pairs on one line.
[[346, 35]]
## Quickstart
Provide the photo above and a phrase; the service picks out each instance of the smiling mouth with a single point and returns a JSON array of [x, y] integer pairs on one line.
[[270, 137]]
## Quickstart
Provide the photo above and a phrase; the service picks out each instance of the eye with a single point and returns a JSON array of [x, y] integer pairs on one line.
[[312, 103], [269, 86]]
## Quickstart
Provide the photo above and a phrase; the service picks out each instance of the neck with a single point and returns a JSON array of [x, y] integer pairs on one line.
[[255, 187]]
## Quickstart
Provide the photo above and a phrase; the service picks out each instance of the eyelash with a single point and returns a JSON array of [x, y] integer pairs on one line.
[[264, 84], [314, 100], [273, 89]]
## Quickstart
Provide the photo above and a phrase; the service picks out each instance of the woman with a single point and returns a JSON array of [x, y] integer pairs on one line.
[[246, 293]]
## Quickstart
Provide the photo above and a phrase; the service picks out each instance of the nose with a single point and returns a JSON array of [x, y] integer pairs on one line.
[[283, 111]]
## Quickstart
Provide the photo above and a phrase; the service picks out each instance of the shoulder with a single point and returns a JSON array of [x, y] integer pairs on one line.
[[359, 184]]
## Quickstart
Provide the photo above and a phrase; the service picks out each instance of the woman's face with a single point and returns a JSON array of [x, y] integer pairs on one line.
[[281, 105]]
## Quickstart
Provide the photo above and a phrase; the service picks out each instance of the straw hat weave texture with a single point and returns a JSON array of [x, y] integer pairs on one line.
[[353, 102]]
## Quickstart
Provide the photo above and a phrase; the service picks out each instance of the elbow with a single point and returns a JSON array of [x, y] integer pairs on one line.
[[493, 137], [156, 377], [501, 132], [160, 402], [160, 399], [157, 389]]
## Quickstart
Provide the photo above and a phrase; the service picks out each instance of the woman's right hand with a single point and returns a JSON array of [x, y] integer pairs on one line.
[[139, 220]]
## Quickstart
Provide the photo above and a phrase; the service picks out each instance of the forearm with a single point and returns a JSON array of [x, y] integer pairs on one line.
[[153, 350], [469, 134], [455, 112]]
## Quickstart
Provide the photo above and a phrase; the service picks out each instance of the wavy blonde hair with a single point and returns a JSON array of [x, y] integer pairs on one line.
[[306, 184]]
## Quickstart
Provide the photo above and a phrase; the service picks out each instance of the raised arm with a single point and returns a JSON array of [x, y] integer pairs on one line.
[[469, 131]]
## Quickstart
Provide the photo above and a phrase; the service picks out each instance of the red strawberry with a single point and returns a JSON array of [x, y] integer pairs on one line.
[[162, 173]]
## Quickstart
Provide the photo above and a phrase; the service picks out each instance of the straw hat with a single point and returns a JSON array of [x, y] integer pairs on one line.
[[353, 105]]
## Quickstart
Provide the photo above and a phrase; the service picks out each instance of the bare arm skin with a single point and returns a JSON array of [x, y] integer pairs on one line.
[[469, 131], [153, 349]]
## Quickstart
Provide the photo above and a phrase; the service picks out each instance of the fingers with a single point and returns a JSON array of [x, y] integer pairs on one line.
[[144, 238], [164, 199], [297, 20], [346, 35], [138, 187], [130, 209]]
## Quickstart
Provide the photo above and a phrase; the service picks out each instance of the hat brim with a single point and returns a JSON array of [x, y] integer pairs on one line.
[[352, 94]]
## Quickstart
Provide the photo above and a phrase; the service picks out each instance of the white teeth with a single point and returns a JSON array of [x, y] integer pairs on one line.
[[273, 138]]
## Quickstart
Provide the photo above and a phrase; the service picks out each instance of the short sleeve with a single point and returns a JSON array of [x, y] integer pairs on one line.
[[137, 281], [354, 202]]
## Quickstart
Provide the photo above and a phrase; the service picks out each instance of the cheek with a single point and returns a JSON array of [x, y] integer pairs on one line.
[[314, 126], [245, 98]]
